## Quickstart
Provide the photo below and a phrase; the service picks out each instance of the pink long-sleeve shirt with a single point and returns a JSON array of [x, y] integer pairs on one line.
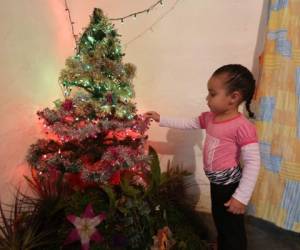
[[225, 143]]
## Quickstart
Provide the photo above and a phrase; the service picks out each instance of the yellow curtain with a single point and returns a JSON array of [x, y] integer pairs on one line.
[[277, 194]]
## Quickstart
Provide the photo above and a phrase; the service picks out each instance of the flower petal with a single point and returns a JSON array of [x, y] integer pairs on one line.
[[88, 212], [93, 222], [102, 216], [85, 246], [97, 237], [73, 236], [71, 218]]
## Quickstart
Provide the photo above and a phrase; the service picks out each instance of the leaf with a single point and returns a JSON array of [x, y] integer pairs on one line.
[[123, 210], [155, 169], [111, 195], [57, 103], [128, 189]]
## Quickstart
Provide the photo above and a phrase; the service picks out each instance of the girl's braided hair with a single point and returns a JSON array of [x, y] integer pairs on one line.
[[239, 79]]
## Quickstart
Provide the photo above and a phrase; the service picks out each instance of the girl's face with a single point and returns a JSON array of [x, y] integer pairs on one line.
[[218, 100]]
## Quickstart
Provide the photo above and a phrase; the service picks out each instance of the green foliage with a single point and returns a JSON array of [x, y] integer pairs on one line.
[[186, 228], [30, 224], [155, 170], [133, 214], [111, 197]]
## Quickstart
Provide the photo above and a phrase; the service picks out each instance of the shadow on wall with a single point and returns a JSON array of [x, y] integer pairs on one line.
[[260, 40], [258, 52], [182, 146]]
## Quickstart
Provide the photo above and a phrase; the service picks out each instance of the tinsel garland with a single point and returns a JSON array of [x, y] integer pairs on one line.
[[82, 117]]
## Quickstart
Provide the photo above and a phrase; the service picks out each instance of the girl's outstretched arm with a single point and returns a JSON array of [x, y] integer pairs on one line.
[[171, 122]]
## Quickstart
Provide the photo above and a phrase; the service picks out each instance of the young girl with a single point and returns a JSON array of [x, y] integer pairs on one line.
[[229, 137]]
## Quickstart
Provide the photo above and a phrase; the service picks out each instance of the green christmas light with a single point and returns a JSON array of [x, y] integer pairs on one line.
[[91, 39]]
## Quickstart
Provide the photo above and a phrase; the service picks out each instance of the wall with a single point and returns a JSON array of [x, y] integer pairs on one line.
[[187, 42]]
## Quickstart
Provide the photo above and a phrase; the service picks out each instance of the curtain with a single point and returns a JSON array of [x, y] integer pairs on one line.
[[277, 194]]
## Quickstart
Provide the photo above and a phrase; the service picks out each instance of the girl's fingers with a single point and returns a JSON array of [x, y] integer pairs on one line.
[[235, 210], [149, 114]]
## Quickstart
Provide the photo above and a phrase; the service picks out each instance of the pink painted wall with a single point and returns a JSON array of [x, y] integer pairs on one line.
[[174, 59]]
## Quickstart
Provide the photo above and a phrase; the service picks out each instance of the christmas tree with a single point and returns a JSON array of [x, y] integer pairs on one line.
[[94, 135], [96, 185]]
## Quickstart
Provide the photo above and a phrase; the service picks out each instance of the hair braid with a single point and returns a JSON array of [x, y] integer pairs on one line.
[[239, 79]]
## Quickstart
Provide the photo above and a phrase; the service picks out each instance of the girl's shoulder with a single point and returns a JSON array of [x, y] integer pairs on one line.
[[205, 118], [245, 121], [246, 131]]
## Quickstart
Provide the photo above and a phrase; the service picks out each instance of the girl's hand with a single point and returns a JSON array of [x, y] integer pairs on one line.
[[235, 207], [152, 115]]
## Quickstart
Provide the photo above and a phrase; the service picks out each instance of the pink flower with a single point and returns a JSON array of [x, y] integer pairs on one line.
[[85, 227]]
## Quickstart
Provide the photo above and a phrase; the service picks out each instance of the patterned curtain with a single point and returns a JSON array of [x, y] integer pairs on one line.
[[277, 194]]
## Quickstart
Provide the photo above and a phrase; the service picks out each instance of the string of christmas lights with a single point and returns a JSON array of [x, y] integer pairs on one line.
[[72, 23], [152, 25], [134, 15]]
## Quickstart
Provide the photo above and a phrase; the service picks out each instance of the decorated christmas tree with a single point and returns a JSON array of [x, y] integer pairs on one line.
[[94, 135], [96, 185]]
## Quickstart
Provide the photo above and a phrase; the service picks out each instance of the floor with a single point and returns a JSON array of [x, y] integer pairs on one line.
[[261, 235]]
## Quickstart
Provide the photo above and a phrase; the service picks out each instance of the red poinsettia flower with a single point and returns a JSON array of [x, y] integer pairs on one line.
[[115, 178], [120, 135], [74, 180], [110, 135], [132, 134]]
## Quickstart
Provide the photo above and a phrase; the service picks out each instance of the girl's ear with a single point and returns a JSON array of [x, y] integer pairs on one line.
[[236, 97]]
